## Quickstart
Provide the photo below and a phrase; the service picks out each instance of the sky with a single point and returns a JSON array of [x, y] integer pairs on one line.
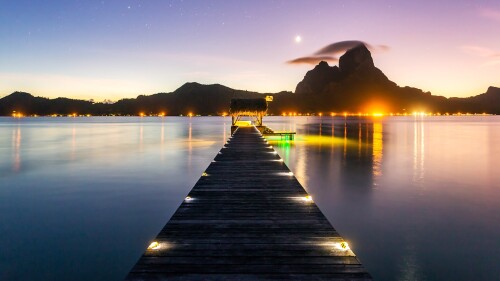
[[124, 48]]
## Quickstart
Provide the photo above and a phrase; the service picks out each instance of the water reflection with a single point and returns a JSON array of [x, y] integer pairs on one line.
[[378, 145], [418, 150], [357, 145], [16, 145]]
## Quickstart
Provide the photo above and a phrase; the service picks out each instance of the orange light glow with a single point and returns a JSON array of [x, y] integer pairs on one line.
[[190, 114], [17, 114], [141, 114]]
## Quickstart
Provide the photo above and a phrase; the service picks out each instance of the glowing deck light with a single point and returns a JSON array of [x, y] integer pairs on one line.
[[154, 246], [290, 173], [220, 153], [308, 198], [204, 174], [342, 246], [141, 114], [188, 198], [190, 114]]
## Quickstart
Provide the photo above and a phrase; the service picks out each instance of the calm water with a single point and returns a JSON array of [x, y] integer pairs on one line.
[[417, 198]]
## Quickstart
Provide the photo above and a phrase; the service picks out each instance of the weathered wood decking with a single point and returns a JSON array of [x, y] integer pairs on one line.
[[248, 220]]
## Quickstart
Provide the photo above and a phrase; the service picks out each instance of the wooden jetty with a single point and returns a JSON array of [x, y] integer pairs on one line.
[[248, 218]]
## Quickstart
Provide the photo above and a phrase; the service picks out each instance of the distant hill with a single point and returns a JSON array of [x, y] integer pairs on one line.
[[355, 85]]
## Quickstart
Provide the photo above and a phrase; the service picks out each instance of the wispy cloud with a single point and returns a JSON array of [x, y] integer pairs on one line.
[[313, 60], [490, 13], [492, 56], [332, 52]]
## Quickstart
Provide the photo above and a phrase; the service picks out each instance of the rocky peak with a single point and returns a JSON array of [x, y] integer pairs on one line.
[[315, 79], [492, 90], [356, 58]]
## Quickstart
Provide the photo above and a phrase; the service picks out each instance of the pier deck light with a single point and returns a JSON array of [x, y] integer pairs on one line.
[[188, 198], [342, 246], [204, 174], [308, 198], [154, 246]]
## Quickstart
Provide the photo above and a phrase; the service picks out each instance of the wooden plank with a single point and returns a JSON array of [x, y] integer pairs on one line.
[[247, 219]]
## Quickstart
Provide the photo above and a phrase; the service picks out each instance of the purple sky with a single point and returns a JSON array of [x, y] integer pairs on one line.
[[113, 49]]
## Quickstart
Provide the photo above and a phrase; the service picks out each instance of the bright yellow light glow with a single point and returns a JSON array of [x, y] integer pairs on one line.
[[377, 114], [224, 114], [204, 174], [308, 198], [342, 246], [243, 123], [190, 114], [188, 198], [154, 246], [141, 114]]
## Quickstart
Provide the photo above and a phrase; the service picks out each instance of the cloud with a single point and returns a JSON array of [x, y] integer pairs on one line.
[[490, 14], [480, 51], [492, 56], [312, 60], [332, 52]]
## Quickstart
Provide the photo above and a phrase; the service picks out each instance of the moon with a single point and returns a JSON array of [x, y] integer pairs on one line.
[[298, 39]]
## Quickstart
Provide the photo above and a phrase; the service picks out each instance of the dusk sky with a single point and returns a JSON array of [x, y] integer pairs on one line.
[[114, 49]]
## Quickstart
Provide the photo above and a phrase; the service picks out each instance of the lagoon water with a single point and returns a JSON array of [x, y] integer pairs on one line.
[[417, 198]]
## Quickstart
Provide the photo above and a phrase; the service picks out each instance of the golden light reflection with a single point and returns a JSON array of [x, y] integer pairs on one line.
[[190, 140], [377, 148]]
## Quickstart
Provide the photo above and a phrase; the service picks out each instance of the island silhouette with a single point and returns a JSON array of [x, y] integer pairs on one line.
[[356, 85]]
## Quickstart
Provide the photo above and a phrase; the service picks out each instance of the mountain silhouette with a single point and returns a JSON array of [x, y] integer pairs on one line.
[[355, 85]]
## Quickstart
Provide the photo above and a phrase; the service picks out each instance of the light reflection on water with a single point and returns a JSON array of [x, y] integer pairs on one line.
[[80, 198], [417, 198]]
